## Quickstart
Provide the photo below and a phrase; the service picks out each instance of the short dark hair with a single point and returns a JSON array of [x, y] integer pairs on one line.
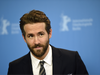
[[34, 16]]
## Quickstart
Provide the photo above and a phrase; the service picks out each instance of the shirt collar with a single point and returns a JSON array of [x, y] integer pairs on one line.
[[34, 60], [47, 59]]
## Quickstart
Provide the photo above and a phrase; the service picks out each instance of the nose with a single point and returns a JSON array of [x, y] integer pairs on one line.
[[36, 40]]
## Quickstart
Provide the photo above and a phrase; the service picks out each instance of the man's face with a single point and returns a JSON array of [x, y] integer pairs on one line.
[[37, 38]]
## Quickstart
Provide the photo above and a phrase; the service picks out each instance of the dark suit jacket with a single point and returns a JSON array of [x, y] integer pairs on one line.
[[64, 62]]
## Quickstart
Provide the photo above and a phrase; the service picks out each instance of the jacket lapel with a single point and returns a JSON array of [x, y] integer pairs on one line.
[[57, 63], [27, 68]]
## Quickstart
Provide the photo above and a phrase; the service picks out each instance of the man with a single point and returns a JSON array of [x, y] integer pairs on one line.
[[36, 32]]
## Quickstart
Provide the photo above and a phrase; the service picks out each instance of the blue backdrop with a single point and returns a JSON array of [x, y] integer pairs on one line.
[[75, 24]]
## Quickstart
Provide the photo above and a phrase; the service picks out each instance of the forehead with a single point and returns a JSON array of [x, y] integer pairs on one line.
[[34, 27]]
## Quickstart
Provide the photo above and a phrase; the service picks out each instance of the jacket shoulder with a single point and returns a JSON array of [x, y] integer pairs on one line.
[[19, 60], [71, 60], [64, 52]]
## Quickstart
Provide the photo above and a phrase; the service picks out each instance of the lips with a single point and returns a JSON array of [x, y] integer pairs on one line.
[[38, 48]]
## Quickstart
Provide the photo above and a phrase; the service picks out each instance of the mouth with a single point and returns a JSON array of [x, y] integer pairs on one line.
[[38, 48]]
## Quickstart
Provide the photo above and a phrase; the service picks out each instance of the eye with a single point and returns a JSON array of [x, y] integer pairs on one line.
[[41, 34], [30, 36]]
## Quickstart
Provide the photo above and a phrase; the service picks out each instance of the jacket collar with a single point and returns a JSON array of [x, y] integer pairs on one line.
[[27, 64], [57, 61]]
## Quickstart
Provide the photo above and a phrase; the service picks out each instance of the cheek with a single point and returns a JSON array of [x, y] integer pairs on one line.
[[44, 40], [30, 42]]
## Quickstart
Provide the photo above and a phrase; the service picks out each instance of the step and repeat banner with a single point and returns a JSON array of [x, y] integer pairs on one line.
[[75, 25]]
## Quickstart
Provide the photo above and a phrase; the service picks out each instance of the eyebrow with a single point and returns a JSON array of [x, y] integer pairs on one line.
[[37, 33], [41, 32], [30, 34]]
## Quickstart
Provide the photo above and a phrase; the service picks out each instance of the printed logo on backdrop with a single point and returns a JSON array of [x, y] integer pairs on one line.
[[64, 23], [4, 24], [77, 24], [3, 27]]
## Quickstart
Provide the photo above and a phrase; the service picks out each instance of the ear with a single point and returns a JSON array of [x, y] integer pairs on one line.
[[50, 33], [24, 37]]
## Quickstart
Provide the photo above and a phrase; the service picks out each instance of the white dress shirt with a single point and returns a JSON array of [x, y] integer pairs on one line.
[[47, 65]]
